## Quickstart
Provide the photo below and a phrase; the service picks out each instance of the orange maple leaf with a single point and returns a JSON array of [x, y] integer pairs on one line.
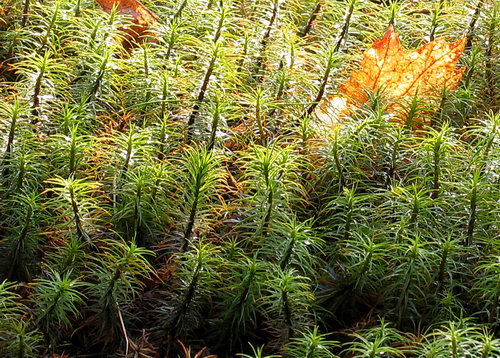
[[399, 74], [142, 18]]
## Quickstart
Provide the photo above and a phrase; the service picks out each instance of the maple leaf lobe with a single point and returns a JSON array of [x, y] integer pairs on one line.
[[399, 73]]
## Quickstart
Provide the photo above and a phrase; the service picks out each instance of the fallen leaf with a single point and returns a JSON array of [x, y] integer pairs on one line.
[[398, 74], [142, 18]]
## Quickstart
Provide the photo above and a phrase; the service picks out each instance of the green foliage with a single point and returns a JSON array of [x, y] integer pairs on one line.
[[200, 178], [57, 299], [17, 339], [190, 186], [116, 275], [312, 345], [287, 303], [376, 341], [198, 279], [239, 305], [20, 341], [21, 242]]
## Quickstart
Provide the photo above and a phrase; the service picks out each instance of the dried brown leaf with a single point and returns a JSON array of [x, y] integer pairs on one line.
[[142, 18]]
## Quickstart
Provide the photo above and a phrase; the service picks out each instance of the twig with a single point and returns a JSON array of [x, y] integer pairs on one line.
[[472, 25], [122, 325]]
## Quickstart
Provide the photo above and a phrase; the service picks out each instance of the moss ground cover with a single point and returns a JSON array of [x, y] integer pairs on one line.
[[181, 197]]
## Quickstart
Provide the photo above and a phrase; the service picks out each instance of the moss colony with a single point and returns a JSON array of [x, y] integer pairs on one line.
[[181, 196]]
